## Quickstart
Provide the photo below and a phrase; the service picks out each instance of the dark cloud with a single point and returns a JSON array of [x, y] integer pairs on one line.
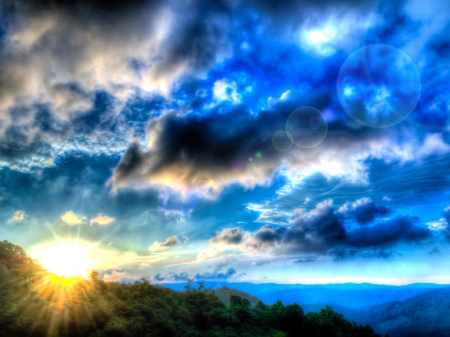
[[179, 277], [391, 185], [322, 230], [23, 151], [170, 242], [367, 212], [193, 147], [216, 275], [228, 236], [402, 228], [171, 277], [364, 210], [315, 232], [266, 238], [340, 253], [185, 148]]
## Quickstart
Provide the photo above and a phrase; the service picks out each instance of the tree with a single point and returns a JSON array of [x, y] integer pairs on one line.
[[11, 253], [93, 275]]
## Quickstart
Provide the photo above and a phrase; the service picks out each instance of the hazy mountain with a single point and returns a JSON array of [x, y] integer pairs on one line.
[[349, 295], [425, 315]]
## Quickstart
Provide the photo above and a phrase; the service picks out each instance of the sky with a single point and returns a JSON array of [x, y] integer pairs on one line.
[[241, 141]]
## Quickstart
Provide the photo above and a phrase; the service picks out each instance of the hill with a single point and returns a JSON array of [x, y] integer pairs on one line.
[[224, 293], [425, 315]]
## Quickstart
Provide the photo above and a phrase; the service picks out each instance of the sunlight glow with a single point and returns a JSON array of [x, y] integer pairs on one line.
[[316, 37], [69, 260], [321, 40]]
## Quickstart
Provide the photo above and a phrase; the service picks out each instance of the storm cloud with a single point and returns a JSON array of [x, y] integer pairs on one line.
[[323, 230]]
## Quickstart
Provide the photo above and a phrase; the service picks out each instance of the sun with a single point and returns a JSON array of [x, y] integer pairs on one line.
[[64, 259]]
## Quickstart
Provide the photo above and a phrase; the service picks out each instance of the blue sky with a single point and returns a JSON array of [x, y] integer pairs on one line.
[[303, 142]]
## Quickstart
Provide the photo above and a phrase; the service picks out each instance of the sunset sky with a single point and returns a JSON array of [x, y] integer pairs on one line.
[[261, 141]]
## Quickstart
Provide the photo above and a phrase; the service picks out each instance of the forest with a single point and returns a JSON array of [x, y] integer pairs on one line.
[[34, 302]]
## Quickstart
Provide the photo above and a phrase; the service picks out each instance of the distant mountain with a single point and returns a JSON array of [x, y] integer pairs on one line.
[[349, 295], [426, 315], [224, 294]]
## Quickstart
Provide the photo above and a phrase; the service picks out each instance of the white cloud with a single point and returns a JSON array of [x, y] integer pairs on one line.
[[18, 216], [71, 218], [226, 91], [101, 220]]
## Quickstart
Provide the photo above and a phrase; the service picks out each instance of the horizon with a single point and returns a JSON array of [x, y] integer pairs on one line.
[[235, 141]]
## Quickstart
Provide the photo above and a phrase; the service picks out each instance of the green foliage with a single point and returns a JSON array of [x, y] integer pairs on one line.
[[224, 293], [93, 275], [9, 250], [98, 309]]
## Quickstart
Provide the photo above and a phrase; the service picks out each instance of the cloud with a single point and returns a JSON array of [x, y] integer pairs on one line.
[[216, 275], [207, 254], [153, 52], [18, 216], [175, 213], [101, 220], [172, 277], [184, 276], [402, 228], [170, 242], [340, 253], [385, 178], [265, 239], [71, 218], [316, 231], [114, 275], [364, 210], [57, 57], [447, 214], [228, 236], [185, 149], [224, 91], [199, 152], [322, 231], [437, 225]]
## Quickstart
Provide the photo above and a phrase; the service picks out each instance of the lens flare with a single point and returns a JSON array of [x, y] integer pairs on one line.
[[308, 127], [378, 86], [282, 141], [237, 166], [202, 186]]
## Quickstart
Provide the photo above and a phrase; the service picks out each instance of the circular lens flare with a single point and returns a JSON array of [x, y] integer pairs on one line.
[[282, 141], [238, 166], [378, 86], [307, 126], [202, 186]]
